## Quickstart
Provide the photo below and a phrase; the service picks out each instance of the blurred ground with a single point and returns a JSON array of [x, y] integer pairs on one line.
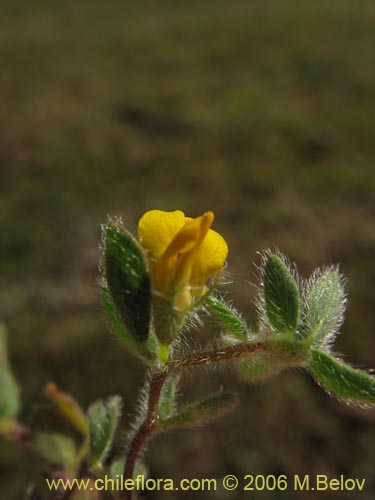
[[260, 111]]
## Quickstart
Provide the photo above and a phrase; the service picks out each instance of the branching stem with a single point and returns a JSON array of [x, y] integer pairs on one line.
[[155, 387]]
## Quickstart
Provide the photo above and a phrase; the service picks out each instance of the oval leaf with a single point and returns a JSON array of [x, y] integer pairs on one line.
[[127, 279], [200, 413], [167, 404], [103, 418], [345, 382], [57, 449], [146, 350], [259, 366], [324, 306], [228, 317], [281, 296]]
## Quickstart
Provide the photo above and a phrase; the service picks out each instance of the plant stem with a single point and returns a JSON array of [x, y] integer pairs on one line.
[[236, 351], [145, 430], [156, 383]]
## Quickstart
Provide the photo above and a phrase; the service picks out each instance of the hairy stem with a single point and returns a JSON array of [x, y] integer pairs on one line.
[[145, 430], [236, 351], [158, 378]]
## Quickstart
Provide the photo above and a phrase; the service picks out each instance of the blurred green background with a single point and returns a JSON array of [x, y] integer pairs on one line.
[[262, 111]]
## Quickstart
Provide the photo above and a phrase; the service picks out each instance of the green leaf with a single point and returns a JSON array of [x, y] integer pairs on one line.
[[147, 349], [140, 469], [281, 352], [324, 307], [281, 296], [228, 316], [259, 366], [127, 280], [57, 449], [103, 418], [289, 351], [167, 404], [119, 328], [9, 390], [117, 469], [202, 412], [339, 379]]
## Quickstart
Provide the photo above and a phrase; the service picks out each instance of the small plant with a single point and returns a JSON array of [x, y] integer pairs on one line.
[[154, 288]]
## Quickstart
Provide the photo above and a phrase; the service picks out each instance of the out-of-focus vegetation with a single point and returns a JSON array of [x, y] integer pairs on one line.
[[261, 111]]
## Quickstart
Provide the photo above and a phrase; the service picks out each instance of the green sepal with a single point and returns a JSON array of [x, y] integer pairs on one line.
[[339, 379], [228, 317], [9, 389], [168, 320], [324, 307], [57, 449], [200, 413], [103, 417], [127, 280], [281, 296]]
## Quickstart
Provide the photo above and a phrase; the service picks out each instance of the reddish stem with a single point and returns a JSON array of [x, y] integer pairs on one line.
[[145, 430], [147, 427], [236, 351]]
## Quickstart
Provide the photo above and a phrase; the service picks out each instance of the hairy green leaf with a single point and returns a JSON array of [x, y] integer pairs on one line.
[[339, 379], [259, 366], [103, 420], [146, 350], [117, 468], [282, 352], [281, 296], [202, 412], [324, 307], [9, 390], [57, 449], [167, 404], [228, 317], [127, 280]]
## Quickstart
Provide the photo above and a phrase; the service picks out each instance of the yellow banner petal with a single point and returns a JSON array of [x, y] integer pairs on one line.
[[156, 230]]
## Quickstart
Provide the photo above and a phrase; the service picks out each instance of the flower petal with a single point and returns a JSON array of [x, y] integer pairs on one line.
[[156, 230], [210, 258], [191, 235]]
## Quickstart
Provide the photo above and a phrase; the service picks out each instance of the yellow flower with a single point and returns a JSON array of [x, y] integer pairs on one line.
[[183, 253]]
